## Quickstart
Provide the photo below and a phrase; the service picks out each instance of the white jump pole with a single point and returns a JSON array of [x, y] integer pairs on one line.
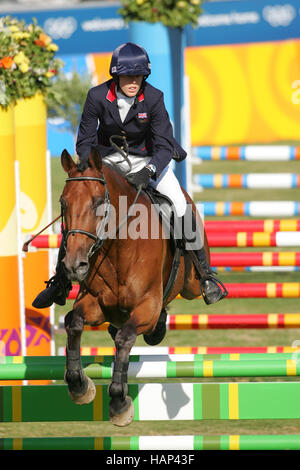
[[20, 261], [51, 264]]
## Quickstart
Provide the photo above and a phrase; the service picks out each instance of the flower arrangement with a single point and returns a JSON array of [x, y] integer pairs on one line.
[[173, 13], [27, 61]]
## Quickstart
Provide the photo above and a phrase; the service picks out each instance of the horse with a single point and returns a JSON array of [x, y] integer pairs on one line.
[[122, 279]]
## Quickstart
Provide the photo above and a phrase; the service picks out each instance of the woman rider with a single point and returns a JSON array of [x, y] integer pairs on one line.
[[130, 107]]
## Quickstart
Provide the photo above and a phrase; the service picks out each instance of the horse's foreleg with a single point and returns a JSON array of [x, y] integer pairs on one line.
[[81, 388], [121, 408]]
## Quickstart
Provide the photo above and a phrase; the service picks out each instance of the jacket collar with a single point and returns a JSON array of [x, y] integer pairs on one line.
[[112, 93]]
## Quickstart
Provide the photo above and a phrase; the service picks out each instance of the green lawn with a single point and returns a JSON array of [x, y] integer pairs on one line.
[[194, 338]]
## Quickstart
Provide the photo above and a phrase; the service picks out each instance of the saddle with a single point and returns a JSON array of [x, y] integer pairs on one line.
[[171, 222]]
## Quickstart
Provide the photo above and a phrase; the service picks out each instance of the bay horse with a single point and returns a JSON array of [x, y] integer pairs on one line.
[[121, 280]]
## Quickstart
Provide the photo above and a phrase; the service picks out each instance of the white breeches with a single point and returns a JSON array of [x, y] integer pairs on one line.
[[166, 184]]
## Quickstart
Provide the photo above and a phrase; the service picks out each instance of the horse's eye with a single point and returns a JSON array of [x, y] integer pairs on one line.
[[97, 201]]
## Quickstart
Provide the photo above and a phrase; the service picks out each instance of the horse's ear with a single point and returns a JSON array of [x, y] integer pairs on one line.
[[66, 161], [95, 159]]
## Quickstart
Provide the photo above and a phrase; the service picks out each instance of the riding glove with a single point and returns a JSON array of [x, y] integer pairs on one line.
[[141, 178]]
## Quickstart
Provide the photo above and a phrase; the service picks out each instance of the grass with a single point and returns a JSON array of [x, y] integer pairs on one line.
[[249, 337]]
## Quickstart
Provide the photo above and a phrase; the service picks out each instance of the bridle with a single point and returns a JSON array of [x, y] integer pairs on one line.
[[99, 238]]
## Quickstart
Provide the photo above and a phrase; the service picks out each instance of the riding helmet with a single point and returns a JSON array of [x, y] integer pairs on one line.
[[130, 59]]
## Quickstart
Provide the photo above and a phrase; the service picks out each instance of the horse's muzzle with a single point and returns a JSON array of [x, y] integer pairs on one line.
[[77, 269]]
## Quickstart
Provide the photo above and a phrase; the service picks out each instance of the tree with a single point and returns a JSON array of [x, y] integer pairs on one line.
[[66, 97]]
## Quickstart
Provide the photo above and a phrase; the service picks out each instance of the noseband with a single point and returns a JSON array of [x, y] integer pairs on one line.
[[98, 240]]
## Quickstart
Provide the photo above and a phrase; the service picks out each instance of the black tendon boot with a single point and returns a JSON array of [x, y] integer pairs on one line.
[[58, 287], [212, 288]]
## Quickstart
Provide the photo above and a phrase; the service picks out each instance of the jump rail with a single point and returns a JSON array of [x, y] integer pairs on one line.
[[158, 369], [258, 239], [222, 321], [248, 152], [247, 181], [267, 258], [198, 442], [250, 208], [246, 290], [268, 225], [183, 350], [169, 401]]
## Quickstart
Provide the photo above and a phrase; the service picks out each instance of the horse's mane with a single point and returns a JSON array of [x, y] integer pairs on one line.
[[119, 180], [81, 166]]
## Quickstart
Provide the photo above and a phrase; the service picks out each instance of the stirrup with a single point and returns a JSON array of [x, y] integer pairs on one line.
[[51, 281], [220, 291]]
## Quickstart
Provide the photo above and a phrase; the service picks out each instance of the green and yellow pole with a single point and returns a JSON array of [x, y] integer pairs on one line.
[[10, 318], [30, 149]]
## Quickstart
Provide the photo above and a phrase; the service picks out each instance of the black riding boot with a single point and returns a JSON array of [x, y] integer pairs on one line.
[[212, 288], [58, 287]]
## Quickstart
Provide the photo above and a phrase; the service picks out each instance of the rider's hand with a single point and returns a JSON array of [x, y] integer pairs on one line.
[[141, 178]]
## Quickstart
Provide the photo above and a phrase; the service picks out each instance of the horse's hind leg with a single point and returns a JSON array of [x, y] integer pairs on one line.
[[81, 388], [121, 408]]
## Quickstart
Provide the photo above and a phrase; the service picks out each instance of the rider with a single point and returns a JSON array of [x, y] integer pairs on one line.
[[128, 106]]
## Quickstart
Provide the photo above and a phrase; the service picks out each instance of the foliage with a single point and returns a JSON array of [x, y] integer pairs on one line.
[[173, 13], [66, 99], [27, 61]]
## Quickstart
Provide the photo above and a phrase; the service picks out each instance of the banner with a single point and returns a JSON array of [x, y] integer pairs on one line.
[[82, 29], [241, 21], [244, 94]]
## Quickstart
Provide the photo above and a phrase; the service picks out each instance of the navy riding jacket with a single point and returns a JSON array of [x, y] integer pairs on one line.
[[147, 126]]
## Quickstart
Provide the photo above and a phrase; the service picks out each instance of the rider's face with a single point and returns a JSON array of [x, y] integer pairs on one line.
[[130, 84]]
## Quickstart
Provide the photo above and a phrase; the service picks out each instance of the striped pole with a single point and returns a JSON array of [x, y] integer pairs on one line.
[[245, 239], [245, 290], [159, 369], [268, 225], [249, 152], [250, 208], [56, 361], [185, 350], [223, 321], [185, 442], [47, 241], [268, 258], [272, 269], [169, 402], [248, 181], [215, 239], [102, 368]]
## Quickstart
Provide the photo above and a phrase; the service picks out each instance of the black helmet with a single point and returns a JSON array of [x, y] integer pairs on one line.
[[130, 59]]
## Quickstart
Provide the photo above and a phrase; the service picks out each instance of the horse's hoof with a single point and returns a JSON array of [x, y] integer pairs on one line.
[[87, 397], [125, 418]]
